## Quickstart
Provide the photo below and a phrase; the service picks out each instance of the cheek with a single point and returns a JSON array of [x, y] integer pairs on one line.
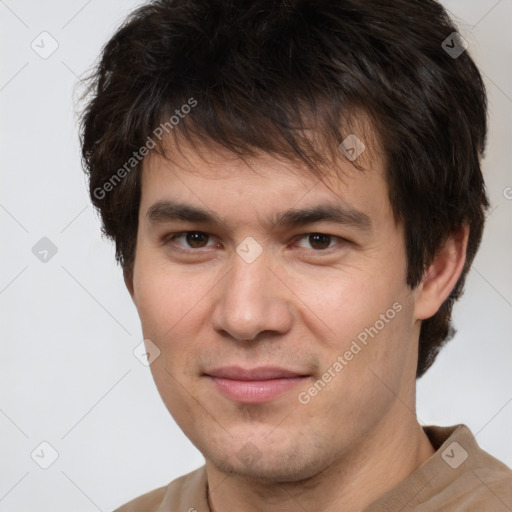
[[167, 299], [170, 306], [382, 353], [365, 364], [342, 303], [366, 319]]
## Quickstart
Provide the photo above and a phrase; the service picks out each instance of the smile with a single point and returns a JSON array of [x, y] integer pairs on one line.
[[256, 385]]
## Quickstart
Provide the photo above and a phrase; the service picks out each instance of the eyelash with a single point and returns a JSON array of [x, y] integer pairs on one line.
[[171, 238]]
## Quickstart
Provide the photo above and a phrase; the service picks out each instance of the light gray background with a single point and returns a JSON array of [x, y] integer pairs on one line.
[[68, 375]]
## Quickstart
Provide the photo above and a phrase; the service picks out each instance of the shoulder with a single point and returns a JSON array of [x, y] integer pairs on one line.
[[467, 477], [460, 476], [485, 483], [186, 488], [148, 502]]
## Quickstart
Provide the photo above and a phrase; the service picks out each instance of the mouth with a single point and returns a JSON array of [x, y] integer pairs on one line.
[[254, 385]]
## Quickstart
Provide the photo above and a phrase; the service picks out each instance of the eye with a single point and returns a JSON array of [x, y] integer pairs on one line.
[[191, 240], [319, 241]]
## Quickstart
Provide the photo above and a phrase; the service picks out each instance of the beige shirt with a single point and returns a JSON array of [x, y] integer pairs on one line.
[[460, 476]]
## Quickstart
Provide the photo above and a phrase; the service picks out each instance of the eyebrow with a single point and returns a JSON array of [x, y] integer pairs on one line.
[[167, 211]]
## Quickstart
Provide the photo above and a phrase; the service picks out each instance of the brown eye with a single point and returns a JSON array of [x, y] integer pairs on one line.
[[196, 239], [319, 241]]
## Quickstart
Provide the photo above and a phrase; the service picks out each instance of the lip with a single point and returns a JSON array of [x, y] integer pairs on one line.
[[254, 385]]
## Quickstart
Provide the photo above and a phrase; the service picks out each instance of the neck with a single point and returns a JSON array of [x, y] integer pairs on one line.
[[387, 455]]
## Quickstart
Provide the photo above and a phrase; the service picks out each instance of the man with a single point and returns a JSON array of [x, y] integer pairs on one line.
[[295, 194]]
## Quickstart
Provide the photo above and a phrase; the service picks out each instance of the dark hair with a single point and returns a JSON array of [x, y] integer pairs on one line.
[[262, 75]]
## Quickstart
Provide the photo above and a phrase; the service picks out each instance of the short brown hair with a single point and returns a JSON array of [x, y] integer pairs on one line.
[[259, 71]]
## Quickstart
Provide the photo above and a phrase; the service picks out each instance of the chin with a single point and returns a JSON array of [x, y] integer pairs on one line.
[[271, 467]]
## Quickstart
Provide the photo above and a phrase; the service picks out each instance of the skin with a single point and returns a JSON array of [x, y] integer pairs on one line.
[[296, 306]]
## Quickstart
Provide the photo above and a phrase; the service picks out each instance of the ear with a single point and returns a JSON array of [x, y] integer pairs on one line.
[[442, 275]]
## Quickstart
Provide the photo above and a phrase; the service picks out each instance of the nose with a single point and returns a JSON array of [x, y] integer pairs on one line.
[[250, 300]]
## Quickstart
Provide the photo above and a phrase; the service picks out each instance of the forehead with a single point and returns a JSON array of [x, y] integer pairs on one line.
[[220, 181]]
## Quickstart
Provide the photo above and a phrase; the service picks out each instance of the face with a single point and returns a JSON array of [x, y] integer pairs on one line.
[[279, 305]]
